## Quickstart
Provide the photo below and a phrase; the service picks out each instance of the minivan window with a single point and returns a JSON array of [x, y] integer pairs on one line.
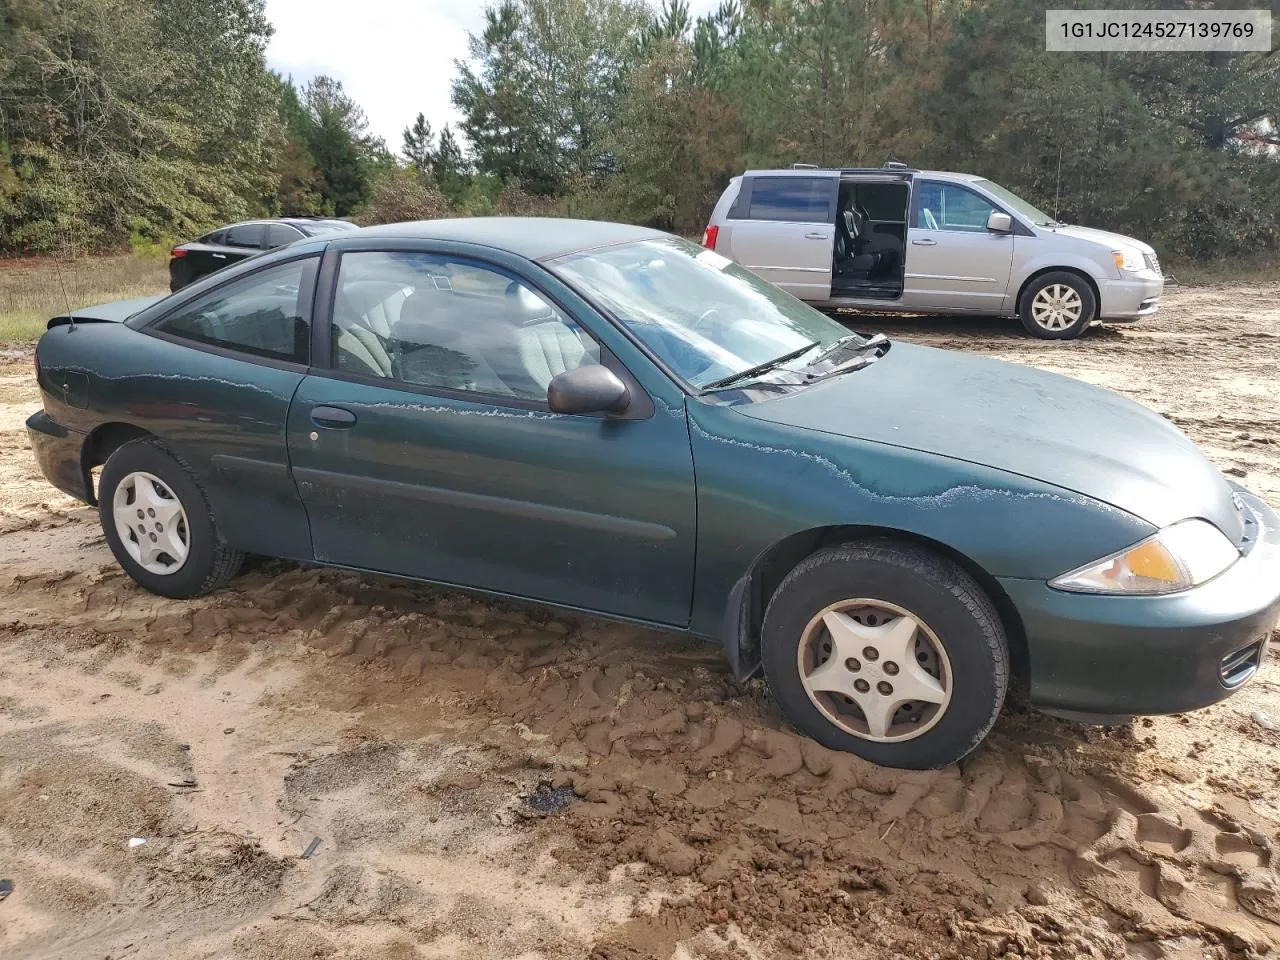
[[794, 199], [946, 206], [1016, 203]]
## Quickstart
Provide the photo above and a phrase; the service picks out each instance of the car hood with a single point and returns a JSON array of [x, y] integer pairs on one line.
[[1104, 237], [1020, 420]]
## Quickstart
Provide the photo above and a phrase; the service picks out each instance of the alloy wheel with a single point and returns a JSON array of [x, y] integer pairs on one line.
[[1057, 307]]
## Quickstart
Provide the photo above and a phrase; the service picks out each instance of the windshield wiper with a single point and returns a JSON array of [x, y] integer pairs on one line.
[[758, 369], [867, 352]]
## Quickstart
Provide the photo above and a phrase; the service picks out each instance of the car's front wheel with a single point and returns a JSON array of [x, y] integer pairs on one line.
[[158, 523], [886, 650], [1058, 306]]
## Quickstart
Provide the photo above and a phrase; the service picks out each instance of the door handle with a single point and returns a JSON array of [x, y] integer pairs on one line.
[[925, 242], [219, 256], [816, 236], [332, 417]]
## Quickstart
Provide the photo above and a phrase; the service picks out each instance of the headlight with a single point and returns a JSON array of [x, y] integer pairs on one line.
[[1182, 555], [1128, 258]]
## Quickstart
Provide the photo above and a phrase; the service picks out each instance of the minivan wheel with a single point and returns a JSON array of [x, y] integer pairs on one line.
[[1058, 306], [886, 650], [157, 521]]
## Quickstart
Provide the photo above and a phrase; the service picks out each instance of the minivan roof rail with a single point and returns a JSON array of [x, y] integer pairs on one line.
[[883, 171], [804, 166]]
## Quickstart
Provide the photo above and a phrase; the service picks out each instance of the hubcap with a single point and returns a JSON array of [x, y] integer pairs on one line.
[[875, 670], [1057, 307], [151, 523]]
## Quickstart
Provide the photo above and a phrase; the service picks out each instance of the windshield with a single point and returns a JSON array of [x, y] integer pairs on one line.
[[703, 315], [1019, 206]]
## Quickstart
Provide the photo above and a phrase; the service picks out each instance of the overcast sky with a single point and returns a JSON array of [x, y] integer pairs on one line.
[[394, 57]]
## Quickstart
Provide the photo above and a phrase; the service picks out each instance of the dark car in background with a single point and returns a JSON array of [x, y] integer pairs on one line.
[[238, 241]]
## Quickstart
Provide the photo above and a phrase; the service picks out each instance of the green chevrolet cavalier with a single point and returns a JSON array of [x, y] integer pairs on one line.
[[611, 419]]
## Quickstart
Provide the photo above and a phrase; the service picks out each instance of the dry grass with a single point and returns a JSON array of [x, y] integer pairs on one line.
[[1255, 269], [31, 291]]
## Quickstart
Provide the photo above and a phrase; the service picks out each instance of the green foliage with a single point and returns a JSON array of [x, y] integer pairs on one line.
[[400, 195], [107, 130], [132, 122], [542, 85], [419, 146]]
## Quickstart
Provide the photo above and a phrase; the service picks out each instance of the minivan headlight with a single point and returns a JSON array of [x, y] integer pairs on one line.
[[1128, 258], [1182, 555]]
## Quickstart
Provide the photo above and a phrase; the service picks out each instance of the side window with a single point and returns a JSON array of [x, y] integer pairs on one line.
[[244, 235], [945, 206], [265, 314], [436, 321], [795, 199], [281, 234], [214, 238]]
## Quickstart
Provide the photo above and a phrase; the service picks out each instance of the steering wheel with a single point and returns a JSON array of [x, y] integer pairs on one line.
[[707, 319], [930, 220]]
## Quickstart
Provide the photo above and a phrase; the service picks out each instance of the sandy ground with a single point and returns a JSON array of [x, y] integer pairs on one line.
[[494, 780]]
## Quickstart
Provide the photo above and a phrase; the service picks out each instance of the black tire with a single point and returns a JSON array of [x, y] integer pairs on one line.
[[1088, 311], [939, 593], [210, 562]]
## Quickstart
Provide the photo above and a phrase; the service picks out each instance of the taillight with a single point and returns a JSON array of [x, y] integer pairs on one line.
[[178, 252], [709, 236]]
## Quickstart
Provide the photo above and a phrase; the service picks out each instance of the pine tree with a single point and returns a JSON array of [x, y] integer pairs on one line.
[[419, 146]]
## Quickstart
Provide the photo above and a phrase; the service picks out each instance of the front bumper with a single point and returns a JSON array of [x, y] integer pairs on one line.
[[1146, 655], [1134, 297], [57, 451]]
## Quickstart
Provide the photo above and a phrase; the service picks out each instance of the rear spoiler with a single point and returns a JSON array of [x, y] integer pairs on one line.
[[117, 311]]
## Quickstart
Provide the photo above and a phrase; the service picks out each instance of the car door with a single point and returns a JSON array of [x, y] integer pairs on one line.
[[223, 248], [782, 228], [953, 261], [427, 449]]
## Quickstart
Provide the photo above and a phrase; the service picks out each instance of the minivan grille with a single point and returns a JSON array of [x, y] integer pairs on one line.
[[1153, 263], [1238, 667]]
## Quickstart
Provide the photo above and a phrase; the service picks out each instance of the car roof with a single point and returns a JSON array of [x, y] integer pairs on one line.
[[889, 171], [309, 221], [534, 238]]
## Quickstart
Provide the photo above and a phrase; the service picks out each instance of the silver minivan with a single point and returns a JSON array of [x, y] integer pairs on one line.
[[922, 241]]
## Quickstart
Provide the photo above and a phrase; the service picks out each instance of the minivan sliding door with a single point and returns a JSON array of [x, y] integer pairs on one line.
[[783, 230]]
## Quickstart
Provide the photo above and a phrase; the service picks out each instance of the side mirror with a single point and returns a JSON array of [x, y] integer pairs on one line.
[[999, 222], [592, 388]]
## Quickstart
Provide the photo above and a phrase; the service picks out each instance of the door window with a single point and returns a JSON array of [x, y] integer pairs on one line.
[[281, 234], [946, 206], [244, 235], [450, 324], [793, 199], [265, 314]]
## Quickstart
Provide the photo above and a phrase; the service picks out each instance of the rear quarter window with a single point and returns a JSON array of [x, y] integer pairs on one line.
[[794, 199]]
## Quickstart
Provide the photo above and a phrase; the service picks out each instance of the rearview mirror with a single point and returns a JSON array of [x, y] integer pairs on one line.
[[999, 222], [588, 389]]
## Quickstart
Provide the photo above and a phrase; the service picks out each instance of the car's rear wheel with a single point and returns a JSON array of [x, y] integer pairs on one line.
[[157, 521], [1058, 306], [886, 650]]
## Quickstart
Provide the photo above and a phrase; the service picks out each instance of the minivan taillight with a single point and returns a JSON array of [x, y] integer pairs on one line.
[[709, 237], [178, 252]]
